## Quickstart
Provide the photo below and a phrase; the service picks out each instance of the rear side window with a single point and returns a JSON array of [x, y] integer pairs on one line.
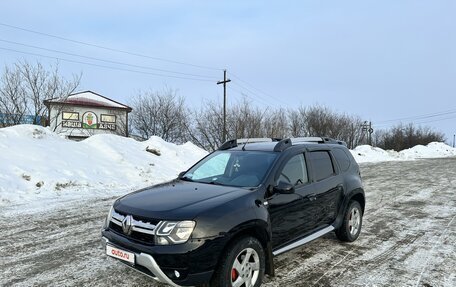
[[342, 158], [322, 164]]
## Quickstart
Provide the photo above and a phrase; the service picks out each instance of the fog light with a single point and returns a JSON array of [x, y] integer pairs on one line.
[[177, 274]]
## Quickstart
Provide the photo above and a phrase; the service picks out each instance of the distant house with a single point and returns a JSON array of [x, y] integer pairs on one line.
[[83, 114]]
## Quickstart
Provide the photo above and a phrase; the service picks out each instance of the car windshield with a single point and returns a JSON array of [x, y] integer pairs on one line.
[[232, 168]]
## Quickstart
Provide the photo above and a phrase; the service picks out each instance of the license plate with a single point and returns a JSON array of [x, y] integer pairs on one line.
[[120, 254]]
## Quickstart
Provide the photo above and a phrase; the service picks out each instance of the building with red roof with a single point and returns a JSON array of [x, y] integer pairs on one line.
[[83, 114]]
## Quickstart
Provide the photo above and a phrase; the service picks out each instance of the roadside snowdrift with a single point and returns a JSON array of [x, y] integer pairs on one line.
[[38, 167], [36, 163], [366, 153]]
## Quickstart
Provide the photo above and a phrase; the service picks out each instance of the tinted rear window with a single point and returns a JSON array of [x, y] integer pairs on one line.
[[322, 164], [342, 158]]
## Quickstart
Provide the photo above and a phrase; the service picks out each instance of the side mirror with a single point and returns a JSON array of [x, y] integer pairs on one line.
[[284, 188], [181, 174]]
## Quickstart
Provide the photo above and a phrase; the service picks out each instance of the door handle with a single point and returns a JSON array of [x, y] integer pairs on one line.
[[312, 196]]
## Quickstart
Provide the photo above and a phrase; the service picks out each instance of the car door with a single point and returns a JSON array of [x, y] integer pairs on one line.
[[328, 186], [292, 214]]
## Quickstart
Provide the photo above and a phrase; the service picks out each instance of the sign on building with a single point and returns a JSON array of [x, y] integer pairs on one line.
[[87, 113]]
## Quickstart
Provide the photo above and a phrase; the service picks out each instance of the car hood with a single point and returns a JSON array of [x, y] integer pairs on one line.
[[177, 200]]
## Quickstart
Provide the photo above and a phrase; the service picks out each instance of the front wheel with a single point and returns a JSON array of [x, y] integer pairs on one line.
[[242, 265], [352, 222]]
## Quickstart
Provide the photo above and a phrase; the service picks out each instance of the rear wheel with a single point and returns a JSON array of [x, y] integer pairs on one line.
[[352, 222], [242, 265]]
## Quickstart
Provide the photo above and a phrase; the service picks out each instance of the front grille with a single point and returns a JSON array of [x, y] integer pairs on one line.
[[141, 230]]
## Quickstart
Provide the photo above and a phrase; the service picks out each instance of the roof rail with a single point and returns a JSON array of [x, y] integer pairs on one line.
[[253, 140], [282, 143], [235, 142], [318, 140], [286, 143], [308, 139], [228, 144]]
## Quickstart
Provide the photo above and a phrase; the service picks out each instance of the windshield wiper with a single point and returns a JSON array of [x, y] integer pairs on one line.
[[215, 183], [186, 178]]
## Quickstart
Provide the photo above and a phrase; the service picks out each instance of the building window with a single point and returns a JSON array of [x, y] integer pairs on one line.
[[108, 118], [70, 116]]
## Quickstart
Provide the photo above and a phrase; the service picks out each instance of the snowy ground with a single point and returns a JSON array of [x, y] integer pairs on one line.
[[408, 239]]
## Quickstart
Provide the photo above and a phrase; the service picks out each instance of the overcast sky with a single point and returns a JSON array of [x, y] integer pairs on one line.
[[381, 60]]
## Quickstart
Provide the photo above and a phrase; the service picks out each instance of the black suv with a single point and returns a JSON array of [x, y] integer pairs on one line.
[[222, 221]]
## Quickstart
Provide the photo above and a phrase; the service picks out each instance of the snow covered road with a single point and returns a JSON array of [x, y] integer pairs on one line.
[[408, 239]]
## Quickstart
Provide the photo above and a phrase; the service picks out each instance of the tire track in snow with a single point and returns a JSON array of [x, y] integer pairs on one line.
[[430, 254]]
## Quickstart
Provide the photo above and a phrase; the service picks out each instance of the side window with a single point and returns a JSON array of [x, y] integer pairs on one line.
[[294, 171], [342, 158], [322, 164], [214, 166]]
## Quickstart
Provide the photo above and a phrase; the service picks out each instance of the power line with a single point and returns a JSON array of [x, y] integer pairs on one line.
[[417, 122], [108, 48], [437, 120], [106, 61], [103, 66], [126, 64], [248, 96], [254, 94], [418, 117], [253, 87]]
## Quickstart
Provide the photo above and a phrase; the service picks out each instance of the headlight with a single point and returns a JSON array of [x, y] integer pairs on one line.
[[173, 232]]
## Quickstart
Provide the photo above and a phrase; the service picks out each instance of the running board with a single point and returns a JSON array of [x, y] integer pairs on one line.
[[303, 240]]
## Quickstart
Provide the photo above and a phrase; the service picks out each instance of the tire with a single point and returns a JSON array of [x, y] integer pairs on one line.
[[352, 223], [235, 269]]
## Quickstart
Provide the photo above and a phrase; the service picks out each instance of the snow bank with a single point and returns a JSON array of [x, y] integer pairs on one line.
[[36, 163], [366, 153]]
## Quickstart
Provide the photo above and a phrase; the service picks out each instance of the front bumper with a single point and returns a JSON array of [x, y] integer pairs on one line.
[[148, 262]]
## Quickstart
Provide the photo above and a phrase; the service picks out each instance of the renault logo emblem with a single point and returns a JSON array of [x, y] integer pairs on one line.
[[126, 225]]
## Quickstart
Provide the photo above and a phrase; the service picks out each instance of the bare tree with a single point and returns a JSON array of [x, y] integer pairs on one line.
[[162, 114], [244, 121], [124, 125], [402, 136], [207, 129], [24, 87], [13, 100], [275, 124], [295, 123], [321, 121], [40, 83]]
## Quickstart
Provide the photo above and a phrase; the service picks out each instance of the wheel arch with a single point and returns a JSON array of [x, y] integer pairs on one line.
[[356, 194], [259, 230], [359, 197]]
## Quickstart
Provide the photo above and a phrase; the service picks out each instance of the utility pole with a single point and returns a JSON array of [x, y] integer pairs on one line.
[[225, 80], [371, 130], [454, 137], [366, 128]]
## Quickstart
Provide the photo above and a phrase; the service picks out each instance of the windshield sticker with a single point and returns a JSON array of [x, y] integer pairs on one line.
[[236, 165]]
